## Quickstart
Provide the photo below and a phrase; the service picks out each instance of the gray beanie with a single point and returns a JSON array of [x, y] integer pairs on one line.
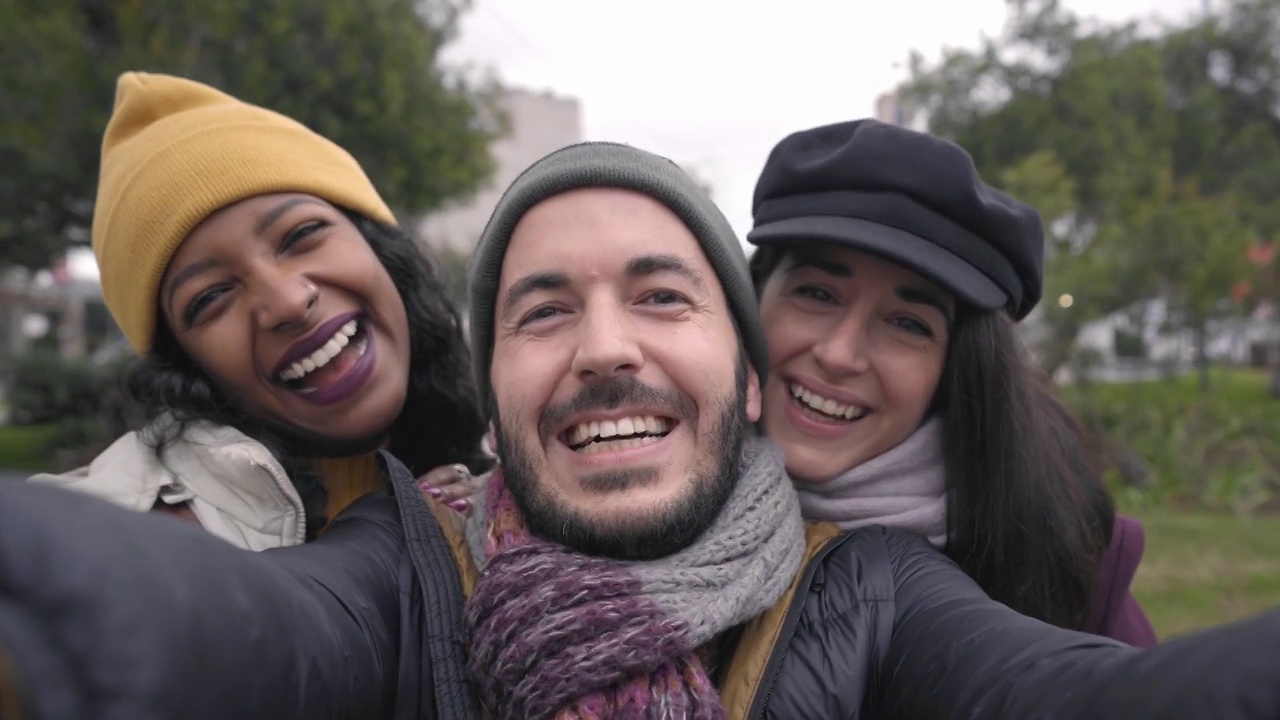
[[602, 164]]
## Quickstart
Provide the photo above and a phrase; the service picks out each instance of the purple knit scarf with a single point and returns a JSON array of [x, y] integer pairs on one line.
[[558, 634]]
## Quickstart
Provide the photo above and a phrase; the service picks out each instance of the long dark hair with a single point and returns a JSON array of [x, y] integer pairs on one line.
[[439, 424], [1027, 514]]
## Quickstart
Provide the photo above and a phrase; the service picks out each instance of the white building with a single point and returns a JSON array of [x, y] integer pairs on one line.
[[891, 109], [538, 123], [1233, 340]]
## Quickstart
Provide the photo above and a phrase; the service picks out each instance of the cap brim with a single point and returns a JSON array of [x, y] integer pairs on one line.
[[912, 251]]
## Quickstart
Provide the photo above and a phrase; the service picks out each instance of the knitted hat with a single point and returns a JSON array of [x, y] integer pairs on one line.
[[599, 164], [174, 152], [909, 197]]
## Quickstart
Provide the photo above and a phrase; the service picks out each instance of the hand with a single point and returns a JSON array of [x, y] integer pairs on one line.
[[451, 485]]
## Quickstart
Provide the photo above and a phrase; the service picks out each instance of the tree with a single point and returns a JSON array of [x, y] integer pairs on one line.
[[365, 74], [1196, 251], [1167, 142]]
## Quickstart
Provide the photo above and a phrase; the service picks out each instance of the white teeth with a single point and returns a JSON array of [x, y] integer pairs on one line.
[[631, 432], [826, 406], [623, 444], [322, 355]]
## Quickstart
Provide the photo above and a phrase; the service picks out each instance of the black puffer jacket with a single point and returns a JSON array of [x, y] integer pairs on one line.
[[888, 627], [107, 614]]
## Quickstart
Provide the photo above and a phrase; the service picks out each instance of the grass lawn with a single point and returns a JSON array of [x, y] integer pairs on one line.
[[1204, 569], [1208, 453], [25, 447]]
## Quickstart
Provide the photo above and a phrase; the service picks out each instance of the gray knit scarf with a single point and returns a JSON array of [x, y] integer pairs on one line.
[[555, 633], [905, 487]]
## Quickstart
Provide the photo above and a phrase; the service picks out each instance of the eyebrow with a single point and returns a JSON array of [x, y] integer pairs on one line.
[[529, 284], [266, 221], [906, 293], [646, 265]]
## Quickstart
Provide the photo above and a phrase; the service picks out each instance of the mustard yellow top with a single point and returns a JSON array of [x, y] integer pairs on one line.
[[347, 479]]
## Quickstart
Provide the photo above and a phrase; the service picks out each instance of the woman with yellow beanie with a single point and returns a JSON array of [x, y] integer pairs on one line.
[[287, 329]]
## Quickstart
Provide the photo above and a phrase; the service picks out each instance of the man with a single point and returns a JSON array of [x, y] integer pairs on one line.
[[621, 391], [642, 551]]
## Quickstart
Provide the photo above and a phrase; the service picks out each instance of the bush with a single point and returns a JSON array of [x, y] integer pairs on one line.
[[26, 448], [44, 388], [75, 404], [1218, 449]]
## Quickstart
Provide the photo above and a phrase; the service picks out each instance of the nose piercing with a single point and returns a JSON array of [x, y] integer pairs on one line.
[[314, 298]]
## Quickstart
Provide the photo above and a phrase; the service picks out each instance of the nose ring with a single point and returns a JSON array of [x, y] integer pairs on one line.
[[313, 300]]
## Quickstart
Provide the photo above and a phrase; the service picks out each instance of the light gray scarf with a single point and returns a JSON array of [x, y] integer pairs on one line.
[[905, 487], [743, 563]]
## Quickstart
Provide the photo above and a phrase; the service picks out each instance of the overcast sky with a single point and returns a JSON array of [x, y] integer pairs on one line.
[[716, 83]]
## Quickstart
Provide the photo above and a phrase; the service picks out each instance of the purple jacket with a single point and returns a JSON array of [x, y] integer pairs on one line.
[[1116, 613]]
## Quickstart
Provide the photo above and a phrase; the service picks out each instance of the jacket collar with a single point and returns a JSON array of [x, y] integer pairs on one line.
[[226, 476]]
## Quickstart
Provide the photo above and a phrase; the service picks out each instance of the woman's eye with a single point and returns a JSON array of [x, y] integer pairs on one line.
[[201, 302], [300, 233], [913, 326], [813, 292]]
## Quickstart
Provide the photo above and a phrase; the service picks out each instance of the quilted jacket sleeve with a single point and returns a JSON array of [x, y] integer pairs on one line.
[[955, 653], [111, 614]]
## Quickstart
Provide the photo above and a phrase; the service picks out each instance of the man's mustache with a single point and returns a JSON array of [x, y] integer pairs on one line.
[[612, 394]]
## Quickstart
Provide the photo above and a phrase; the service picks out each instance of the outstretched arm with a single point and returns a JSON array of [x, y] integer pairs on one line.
[[107, 613], [955, 653]]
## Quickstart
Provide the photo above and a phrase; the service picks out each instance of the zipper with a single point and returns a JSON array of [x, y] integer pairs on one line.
[[789, 622]]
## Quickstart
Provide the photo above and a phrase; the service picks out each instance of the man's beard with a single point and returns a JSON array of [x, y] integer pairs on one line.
[[657, 532]]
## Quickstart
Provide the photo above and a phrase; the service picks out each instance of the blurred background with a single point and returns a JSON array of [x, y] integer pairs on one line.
[[1147, 133]]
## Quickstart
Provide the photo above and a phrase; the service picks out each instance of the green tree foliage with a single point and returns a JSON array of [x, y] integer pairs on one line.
[[1154, 153], [364, 73]]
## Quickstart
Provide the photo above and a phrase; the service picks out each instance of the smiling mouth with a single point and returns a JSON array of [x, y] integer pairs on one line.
[[614, 435], [329, 361], [824, 409]]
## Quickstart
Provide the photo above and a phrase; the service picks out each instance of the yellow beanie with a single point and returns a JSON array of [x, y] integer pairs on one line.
[[175, 151]]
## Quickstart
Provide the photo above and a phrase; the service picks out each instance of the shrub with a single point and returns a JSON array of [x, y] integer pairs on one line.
[[45, 388], [1218, 449], [75, 404]]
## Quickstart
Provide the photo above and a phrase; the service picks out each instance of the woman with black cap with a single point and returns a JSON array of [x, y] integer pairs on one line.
[[890, 278]]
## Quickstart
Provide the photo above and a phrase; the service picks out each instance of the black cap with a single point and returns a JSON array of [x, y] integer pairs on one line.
[[909, 197]]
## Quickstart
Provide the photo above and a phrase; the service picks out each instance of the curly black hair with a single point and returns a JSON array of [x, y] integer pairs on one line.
[[440, 423]]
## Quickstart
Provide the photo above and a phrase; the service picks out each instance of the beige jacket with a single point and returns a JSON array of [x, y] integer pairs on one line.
[[236, 488]]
